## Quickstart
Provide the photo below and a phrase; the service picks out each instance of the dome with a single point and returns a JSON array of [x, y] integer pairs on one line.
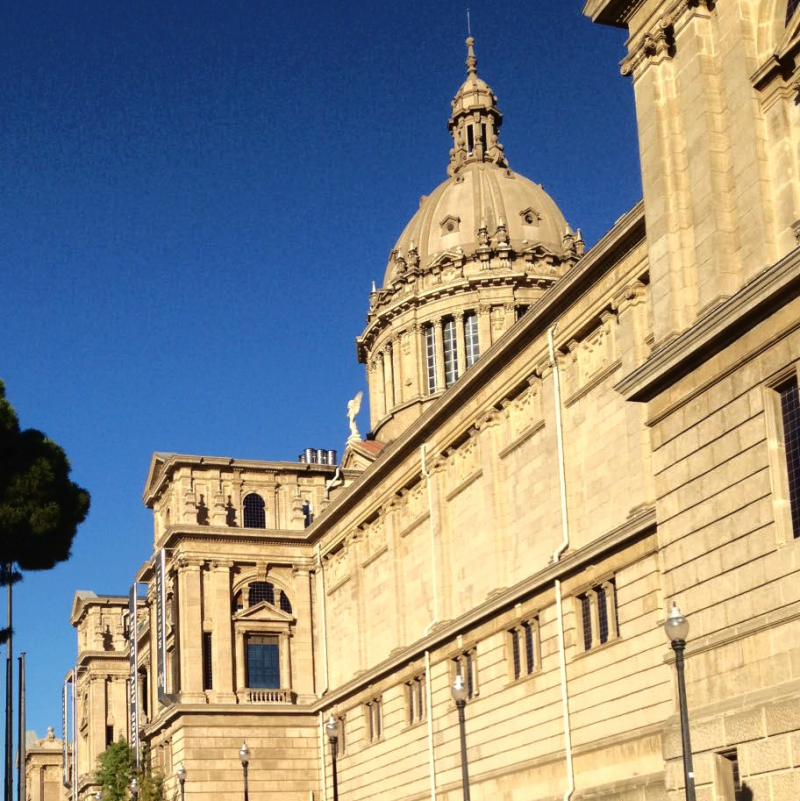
[[468, 209], [479, 253]]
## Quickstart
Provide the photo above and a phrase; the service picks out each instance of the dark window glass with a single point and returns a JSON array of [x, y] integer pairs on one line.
[[791, 7], [515, 653], [263, 662], [529, 630], [254, 512], [285, 604], [430, 358], [208, 680], [790, 413], [586, 615], [602, 614], [261, 591]]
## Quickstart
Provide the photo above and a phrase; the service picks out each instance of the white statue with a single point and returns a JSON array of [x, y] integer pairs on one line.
[[353, 407]]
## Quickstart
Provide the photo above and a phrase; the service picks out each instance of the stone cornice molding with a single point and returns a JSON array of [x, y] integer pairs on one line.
[[658, 42], [722, 325]]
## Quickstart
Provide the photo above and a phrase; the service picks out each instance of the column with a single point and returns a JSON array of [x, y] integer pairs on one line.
[[461, 347], [190, 631], [485, 327], [222, 636], [388, 377], [302, 682], [397, 361]]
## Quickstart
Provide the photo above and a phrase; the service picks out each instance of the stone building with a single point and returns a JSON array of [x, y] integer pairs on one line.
[[561, 442], [43, 767]]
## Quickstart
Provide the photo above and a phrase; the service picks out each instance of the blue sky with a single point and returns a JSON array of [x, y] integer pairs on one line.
[[195, 200]]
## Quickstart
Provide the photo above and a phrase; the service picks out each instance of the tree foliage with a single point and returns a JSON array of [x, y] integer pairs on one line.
[[40, 507], [117, 766]]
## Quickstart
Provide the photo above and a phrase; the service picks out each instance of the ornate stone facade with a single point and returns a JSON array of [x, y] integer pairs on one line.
[[522, 515]]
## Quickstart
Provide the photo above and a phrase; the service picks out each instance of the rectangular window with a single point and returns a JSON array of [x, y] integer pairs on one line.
[[466, 666], [415, 700], [208, 676], [790, 419], [263, 661], [450, 353], [524, 643], [109, 735], [597, 610], [374, 719], [430, 357], [471, 338]]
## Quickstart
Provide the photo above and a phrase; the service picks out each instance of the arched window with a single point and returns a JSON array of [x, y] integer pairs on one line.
[[450, 353], [258, 591], [261, 591], [254, 511], [430, 357], [471, 338]]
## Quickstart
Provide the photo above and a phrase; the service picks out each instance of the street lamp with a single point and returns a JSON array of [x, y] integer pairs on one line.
[[181, 774], [332, 727], [677, 628], [460, 697], [134, 785], [98, 796], [244, 755]]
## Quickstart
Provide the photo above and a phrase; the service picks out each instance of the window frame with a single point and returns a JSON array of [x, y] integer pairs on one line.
[[523, 649], [416, 705], [472, 343], [247, 513], [597, 608], [373, 719], [430, 357], [787, 521], [465, 664]]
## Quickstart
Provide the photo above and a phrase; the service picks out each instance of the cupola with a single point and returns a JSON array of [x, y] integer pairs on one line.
[[481, 249]]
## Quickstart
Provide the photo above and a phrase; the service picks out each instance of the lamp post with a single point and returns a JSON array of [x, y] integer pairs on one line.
[[181, 774], [244, 756], [460, 697], [332, 727], [677, 628], [134, 785], [98, 796]]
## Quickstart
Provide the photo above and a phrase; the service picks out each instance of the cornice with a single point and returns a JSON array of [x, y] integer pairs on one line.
[[636, 528], [715, 331], [171, 461], [616, 13], [227, 535]]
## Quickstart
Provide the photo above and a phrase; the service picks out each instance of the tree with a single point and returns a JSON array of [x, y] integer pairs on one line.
[[117, 766], [40, 507]]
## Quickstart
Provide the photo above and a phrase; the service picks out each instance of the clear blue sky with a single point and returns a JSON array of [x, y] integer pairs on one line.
[[196, 197]]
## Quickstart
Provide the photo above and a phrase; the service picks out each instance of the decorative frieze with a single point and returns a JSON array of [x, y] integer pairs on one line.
[[593, 354]]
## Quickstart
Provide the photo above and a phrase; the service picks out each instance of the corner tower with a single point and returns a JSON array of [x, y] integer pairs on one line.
[[481, 249]]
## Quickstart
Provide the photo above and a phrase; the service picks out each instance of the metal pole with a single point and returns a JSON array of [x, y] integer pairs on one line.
[[21, 778], [244, 770], [688, 770], [462, 725], [8, 790], [334, 741], [183, 788]]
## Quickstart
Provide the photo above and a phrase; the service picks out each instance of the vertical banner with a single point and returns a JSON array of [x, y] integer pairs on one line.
[[65, 775], [133, 690], [161, 626]]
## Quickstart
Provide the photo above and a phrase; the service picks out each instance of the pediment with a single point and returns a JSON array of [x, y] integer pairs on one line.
[[450, 256], [264, 612]]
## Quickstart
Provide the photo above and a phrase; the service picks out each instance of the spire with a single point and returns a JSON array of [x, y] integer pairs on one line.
[[475, 122]]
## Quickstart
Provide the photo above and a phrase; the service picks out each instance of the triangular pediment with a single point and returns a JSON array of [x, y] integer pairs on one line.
[[264, 612], [154, 473], [360, 454]]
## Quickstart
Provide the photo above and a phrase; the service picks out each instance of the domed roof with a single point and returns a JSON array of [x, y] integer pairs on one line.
[[482, 203], [473, 207]]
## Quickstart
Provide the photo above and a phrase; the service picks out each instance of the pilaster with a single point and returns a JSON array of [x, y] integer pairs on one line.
[[190, 630]]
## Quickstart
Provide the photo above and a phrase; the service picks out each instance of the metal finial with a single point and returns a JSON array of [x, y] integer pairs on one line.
[[469, 28]]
